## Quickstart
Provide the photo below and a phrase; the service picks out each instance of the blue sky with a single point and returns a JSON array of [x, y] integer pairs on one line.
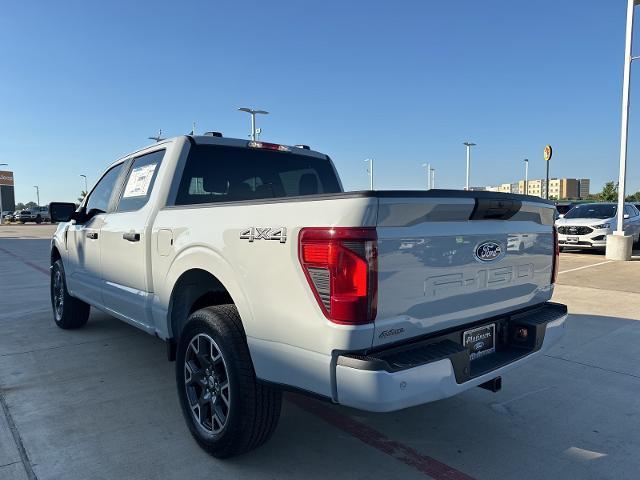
[[403, 82]]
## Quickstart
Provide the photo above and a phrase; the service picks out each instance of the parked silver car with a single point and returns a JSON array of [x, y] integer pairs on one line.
[[587, 225]]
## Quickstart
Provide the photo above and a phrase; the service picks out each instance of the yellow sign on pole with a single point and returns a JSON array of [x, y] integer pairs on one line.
[[548, 151]]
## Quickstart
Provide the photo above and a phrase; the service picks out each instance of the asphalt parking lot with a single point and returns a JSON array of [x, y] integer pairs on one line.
[[99, 402]]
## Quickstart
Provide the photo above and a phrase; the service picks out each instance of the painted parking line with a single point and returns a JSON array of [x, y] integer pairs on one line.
[[585, 266], [401, 452], [397, 450], [26, 262]]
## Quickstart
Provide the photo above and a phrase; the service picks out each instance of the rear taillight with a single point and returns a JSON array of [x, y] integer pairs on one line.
[[341, 266], [556, 256]]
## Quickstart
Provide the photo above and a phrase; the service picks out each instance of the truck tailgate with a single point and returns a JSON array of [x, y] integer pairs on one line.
[[445, 262]]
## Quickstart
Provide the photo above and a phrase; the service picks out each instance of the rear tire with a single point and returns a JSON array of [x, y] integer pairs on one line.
[[227, 410], [68, 311]]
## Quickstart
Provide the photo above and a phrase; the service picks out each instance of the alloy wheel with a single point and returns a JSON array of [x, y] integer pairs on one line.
[[206, 381], [58, 294]]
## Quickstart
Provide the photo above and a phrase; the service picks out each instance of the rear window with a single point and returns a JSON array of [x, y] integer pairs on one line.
[[215, 173]]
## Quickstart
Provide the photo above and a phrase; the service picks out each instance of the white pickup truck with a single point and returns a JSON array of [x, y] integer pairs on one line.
[[262, 275]]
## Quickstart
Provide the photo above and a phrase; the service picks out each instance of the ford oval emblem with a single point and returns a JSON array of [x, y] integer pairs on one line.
[[488, 251]]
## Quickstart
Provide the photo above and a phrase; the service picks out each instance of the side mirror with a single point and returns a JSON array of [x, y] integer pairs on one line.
[[626, 215], [61, 211], [561, 215]]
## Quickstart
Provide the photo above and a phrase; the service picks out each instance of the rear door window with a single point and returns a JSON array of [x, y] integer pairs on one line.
[[215, 173], [139, 183]]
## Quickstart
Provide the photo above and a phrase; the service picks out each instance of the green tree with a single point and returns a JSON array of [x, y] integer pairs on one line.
[[82, 195], [633, 197], [609, 192], [20, 206], [31, 204]]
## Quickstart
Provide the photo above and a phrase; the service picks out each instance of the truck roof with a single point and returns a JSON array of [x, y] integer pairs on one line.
[[226, 141]]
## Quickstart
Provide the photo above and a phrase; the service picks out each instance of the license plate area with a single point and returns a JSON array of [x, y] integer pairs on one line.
[[573, 239], [480, 341]]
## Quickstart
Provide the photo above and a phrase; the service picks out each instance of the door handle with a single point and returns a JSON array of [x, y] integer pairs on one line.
[[131, 237], [92, 235]]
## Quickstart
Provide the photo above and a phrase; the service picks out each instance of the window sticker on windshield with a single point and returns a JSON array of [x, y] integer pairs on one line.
[[139, 181]]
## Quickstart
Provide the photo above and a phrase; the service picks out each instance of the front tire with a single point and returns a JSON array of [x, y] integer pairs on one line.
[[227, 410], [68, 312]]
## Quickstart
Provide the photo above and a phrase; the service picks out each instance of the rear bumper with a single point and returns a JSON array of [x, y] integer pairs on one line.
[[388, 380]]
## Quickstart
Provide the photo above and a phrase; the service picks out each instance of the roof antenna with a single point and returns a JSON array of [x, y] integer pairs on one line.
[[193, 129]]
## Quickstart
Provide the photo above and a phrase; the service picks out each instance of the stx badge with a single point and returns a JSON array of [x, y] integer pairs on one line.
[[264, 233]]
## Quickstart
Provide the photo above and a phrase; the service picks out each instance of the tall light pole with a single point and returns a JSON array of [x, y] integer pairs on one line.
[[86, 189], [618, 246], [468, 145], [526, 176], [428, 167], [1, 210], [253, 114], [37, 193], [433, 178], [624, 131], [370, 171]]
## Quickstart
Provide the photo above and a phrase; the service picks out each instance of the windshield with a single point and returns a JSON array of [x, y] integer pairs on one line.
[[592, 210]]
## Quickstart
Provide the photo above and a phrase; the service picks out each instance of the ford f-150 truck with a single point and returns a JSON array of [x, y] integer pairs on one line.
[[262, 274]]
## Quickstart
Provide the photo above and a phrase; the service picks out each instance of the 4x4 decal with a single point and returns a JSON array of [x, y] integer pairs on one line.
[[264, 233]]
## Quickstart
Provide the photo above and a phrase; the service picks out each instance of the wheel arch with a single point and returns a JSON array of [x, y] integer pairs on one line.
[[55, 254], [195, 288], [218, 279]]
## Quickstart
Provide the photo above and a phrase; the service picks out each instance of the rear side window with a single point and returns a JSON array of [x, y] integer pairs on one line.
[[215, 173], [139, 183]]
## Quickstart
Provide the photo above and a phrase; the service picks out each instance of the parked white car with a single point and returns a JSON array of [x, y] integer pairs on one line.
[[33, 214], [587, 225], [262, 274]]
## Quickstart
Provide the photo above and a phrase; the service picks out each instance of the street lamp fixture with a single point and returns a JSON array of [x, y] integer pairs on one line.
[[468, 145], [526, 174], [86, 189], [253, 114], [157, 138]]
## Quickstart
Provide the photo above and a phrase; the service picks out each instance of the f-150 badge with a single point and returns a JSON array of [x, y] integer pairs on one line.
[[264, 233]]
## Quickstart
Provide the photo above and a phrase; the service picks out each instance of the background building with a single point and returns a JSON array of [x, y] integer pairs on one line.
[[585, 185], [7, 196], [559, 188]]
